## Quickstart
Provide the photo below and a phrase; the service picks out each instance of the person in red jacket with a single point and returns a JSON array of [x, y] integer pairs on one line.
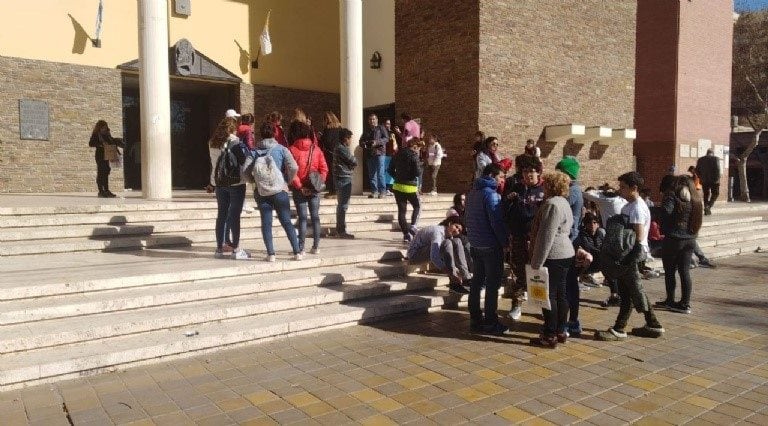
[[276, 119], [309, 158], [245, 130]]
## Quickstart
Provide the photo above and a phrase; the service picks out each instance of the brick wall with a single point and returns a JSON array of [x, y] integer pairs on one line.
[[436, 76], [77, 97], [271, 98], [545, 62]]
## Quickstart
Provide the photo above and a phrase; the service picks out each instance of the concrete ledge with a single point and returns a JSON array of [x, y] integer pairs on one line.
[[563, 132]]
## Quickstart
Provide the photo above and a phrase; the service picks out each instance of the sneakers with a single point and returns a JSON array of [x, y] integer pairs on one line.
[[663, 304], [270, 258], [589, 281], [496, 329], [390, 193], [516, 313], [380, 195], [433, 193], [651, 274], [610, 335], [457, 288], [524, 297], [545, 341], [226, 248], [707, 263], [298, 256], [647, 331], [574, 328], [370, 196], [614, 300], [315, 250], [707, 211], [563, 337], [680, 308], [240, 254]]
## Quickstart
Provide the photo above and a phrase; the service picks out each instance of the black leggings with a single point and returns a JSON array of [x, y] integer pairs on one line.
[[676, 256], [402, 200], [102, 175]]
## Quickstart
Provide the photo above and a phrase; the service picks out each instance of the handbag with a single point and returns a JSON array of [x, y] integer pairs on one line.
[[315, 180], [111, 153]]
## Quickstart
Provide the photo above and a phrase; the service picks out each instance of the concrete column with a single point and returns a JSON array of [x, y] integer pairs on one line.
[[155, 96], [351, 38]]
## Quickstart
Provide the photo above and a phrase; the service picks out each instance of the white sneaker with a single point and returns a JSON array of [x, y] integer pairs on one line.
[[433, 193], [240, 254], [516, 313], [298, 256], [315, 251], [524, 297], [270, 258]]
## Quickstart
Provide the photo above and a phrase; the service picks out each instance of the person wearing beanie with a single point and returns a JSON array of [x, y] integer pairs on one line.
[[570, 166]]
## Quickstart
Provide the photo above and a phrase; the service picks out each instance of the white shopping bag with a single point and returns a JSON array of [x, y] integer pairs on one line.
[[538, 286]]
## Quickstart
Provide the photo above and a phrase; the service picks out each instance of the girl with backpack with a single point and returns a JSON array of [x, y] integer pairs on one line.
[[406, 168], [273, 167], [310, 159], [230, 193], [681, 216]]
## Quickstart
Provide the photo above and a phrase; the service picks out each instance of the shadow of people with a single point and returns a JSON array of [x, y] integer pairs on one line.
[[81, 36]]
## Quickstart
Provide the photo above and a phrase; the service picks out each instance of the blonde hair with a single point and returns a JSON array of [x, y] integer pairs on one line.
[[331, 121], [226, 127], [556, 183], [299, 115]]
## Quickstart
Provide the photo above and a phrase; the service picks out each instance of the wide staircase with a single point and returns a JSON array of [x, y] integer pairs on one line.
[[86, 288]]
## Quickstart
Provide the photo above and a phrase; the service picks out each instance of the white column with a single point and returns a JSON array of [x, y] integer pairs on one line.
[[351, 37], [155, 95]]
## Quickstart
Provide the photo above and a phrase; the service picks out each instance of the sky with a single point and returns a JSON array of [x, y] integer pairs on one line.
[[744, 5]]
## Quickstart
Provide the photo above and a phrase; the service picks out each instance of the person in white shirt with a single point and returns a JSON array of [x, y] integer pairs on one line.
[[608, 201], [435, 156], [630, 289]]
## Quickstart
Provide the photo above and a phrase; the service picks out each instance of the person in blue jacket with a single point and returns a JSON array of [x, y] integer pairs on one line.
[[487, 234], [570, 166]]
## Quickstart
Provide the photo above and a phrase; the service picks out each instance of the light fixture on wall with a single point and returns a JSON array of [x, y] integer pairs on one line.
[[376, 60]]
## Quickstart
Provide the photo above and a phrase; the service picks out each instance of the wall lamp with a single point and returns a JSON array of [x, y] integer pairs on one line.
[[376, 60]]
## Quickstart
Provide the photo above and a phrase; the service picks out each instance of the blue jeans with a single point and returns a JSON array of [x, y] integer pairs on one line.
[[377, 170], [489, 270], [313, 202], [344, 193], [282, 203], [230, 201]]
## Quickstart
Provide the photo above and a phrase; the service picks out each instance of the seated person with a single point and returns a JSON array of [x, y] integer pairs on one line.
[[442, 246], [590, 239]]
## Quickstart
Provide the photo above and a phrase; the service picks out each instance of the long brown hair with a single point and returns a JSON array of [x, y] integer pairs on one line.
[[690, 198], [226, 127], [331, 121]]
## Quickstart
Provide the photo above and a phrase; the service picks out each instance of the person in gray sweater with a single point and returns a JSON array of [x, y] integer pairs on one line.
[[551, 247]]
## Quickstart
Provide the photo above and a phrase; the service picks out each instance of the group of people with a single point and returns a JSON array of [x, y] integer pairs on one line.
[[538, 219]]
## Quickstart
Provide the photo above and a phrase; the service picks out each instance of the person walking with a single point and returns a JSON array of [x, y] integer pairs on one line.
[[487, 234], [708, 169], [271, 194], [681, 217], [106, 151], [344, 164], [552, 248], [310, 159], [405, 169], [230, 197], [374, 141]]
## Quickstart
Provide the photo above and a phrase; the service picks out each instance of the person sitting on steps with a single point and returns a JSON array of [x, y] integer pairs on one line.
[[441, 246]]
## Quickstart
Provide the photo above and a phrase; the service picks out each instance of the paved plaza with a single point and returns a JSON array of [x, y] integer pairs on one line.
[[711, 368]]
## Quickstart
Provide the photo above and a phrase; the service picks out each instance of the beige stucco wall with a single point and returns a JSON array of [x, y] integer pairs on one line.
[[379, 35]]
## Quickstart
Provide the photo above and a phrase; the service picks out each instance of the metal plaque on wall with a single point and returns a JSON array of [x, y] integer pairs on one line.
[[34, 120]]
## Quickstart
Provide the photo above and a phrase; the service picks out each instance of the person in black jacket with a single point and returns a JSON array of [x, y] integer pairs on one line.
[[329, 139], [708, 169], [590, 239], [374, 140], [344, 164], [405, 168], [101, 139]]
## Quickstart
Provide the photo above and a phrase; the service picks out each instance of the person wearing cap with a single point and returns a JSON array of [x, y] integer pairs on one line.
[[231, 114], [571, 167], [440, 245]]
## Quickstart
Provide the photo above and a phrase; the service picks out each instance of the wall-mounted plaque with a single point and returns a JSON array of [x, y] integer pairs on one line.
[[34, 120]]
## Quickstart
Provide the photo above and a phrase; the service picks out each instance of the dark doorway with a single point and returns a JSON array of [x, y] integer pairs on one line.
[[195, 109]]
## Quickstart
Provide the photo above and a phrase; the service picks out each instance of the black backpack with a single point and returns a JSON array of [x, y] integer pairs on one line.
[[228, 164], [618, 249]]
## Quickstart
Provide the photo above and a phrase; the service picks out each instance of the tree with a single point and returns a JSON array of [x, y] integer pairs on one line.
[[750, 82]]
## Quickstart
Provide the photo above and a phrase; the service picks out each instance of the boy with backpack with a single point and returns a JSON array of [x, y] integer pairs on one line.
[[624, 247]]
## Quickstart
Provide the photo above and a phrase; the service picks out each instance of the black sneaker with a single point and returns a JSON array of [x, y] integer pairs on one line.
[[370, 196], [663, 304], [612, 301], [496, 329], [648, 331], [680, 308], [457, 288], [346, 236]]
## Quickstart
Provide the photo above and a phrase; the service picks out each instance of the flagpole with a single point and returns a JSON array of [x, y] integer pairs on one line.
[[255, 62]]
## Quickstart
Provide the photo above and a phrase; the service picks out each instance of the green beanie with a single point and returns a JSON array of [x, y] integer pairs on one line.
[[570, 166]]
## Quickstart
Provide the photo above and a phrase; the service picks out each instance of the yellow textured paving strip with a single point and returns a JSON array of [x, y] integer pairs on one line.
[[514, 414], [579, 411]]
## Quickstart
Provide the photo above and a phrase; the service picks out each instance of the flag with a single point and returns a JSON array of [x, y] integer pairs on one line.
[[99, 20], [264, 41]]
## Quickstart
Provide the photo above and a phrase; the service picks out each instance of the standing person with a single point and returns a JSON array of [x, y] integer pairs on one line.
[[487, 233], [405, 169], [523, 194], [440, 245], [489, 155], [245, 133], [571, 167], [434, 156], [344, 164], [590, 240], [411, 128], [458, 208], [374, 140], [609, 203], [551, 247], [631, 290], [283, 162], [681, 217], [230, 196], [708, 169], [309, 158], [106, 151], [392, 147], [531, 148], [276, 120], [330, 137]]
